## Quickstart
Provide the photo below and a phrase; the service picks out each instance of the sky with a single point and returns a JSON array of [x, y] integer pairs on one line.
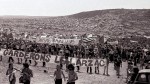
[[65, 7]]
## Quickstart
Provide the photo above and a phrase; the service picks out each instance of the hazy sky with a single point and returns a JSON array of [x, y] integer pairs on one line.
[[65, 7]]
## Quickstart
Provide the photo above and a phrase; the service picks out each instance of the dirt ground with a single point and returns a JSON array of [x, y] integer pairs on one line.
[[46, 78]]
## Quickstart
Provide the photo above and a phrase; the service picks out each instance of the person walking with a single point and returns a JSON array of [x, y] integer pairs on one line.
[[11, 74], [72, 75], [58, 75]]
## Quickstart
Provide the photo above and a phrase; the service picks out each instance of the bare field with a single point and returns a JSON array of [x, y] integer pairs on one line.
[[84, 78]]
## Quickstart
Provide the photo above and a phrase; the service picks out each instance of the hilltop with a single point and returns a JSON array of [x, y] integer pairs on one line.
[[112, 22]]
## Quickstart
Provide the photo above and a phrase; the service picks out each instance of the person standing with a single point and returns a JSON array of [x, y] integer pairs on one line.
[[106, 60], [111, 55], [118, 64], [142, 62], [67, 53], [97, 67], [26, 74], [11, 74], [89, 67], [78, 65], [72, 75], [90, 56], [129, 68], [134, 73], [106, 65], [58, 75], [67, 63], [96, 54]]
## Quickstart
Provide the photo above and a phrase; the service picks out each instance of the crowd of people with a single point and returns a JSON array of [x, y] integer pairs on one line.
[[54, 49], [26, 74], [110, 53], [128, 51]]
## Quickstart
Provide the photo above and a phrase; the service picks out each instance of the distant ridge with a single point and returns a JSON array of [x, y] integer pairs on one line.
[[88, 14]]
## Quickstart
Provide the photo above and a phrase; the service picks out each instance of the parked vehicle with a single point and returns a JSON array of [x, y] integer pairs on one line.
[[143, 77]]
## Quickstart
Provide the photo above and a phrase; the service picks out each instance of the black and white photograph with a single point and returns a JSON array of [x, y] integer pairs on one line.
[[74, 41]]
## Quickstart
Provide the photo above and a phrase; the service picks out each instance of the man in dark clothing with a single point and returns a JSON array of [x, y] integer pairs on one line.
[[91, 54], [26, 73]]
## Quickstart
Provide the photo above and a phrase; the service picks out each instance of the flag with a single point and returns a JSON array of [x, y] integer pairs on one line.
[[87, 40]]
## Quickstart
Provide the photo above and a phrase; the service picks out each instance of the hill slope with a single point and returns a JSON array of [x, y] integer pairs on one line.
[[113, 22]]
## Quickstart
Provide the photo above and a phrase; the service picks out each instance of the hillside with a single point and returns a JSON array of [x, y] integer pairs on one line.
[[113, 22]]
